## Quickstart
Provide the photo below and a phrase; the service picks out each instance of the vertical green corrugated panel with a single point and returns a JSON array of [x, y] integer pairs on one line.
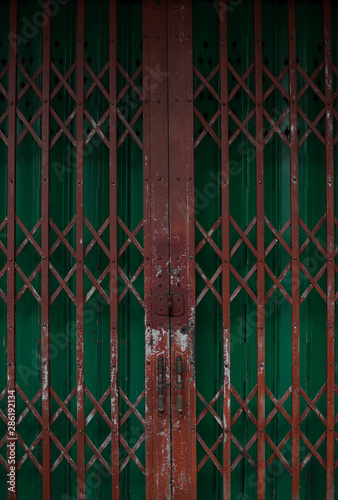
[[207, 211], [4, 46], [62, 213], [130, 211], [97, 210], [28, 210], [277, 211], [312, 206], [334, 35]]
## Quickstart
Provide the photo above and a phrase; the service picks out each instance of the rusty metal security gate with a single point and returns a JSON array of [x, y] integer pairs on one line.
[[167, 242]]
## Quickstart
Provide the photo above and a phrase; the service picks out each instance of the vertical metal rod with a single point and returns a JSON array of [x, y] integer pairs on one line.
[[260, 253], [330, 229], [182, 241], [45, 330], [81, 466], [11, 202], [226, 255], [147, 190], [156, 215], [114, 382], [294, 245]]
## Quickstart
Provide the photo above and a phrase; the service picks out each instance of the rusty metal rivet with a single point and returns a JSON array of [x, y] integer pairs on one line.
[[259, 182], [177, 178], [79, 260], [11, 102], [148, 428], [161, 428], [159, 178], [177, 99], [9, 364], [190, 178], [330, 364], [80, 103], [10, 259], [160, 285], [80, 430], [295, 258], [113, 260], [148, 362], [259, 104], [114, 431], [189, 100], [160, 323], [295, 427], [226, 366], [330, 429], [147, 258], [261, 327], [45, 101], [9, 326], [260, 260], [294, 179], [112, 39], [44, 257], [113, 102], [148, 324], [10, 181], [146, 178], [331, 326], [223, 40], [191, 258], [260, 430], [80, 367], [113, 182], [158, 100], [179, 427], [225, 261], [45, 428]]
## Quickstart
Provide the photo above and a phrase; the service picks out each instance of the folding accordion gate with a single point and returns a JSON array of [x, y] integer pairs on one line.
[[168, 249]]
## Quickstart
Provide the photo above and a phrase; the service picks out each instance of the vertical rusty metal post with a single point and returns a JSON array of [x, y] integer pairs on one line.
[[11, 203], [182, 244], [156, 241], [226, 256], [81, 466], [45, 325], [330, 254], [260, 253], [114, 381], [294, 245]]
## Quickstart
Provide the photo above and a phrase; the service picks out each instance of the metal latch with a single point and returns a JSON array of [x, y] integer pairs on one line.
[[169, 304]]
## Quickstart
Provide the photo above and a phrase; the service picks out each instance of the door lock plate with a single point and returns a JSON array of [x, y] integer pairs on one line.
[[169, 304]]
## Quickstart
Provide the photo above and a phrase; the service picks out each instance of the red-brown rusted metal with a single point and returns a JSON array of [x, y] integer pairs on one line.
[[156, 232], [113, 225], [11, 206], [260, 254], [294, 245], [224, 103], [182, 249], [80, 388], [45, 325], [330, 254]]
